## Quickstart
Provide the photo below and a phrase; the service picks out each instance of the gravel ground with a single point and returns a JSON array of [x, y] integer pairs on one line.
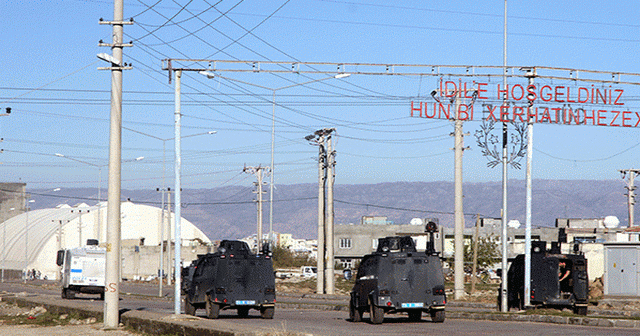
[[74, 326]]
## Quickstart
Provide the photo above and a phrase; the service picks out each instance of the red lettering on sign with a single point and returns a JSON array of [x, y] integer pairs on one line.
[[442, 109], [586, 99], [569, 96], [491, 109], [467, 93], [416, 109], [557, 94], [505, 91], [545, 115], [480, 91], [504, 112], [600, 95], [446, 89], [518, 112], [532, 114], [637, 122], [513, 93], [617, 113], [426, 112], [543, 97], [531, 92], [568, 115], [619, 92], [592, 117], [557, 113], [600, 117], [465, 113], [625, 118]]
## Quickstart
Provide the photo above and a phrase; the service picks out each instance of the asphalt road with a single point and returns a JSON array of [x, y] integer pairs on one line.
[[323, 322]]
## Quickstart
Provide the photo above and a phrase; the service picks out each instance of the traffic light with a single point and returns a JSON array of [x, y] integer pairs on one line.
[[8, 109]]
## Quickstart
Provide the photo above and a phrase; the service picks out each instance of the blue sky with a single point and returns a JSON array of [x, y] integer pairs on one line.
[[60, 101]]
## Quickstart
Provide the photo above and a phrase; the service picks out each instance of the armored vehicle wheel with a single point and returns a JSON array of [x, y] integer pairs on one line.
[[376, 314], [267, 312], [189, 308], [355, 313], [243, 312], [581, 310], [415, 315], [68, 294], [437, 316], [213, 309]]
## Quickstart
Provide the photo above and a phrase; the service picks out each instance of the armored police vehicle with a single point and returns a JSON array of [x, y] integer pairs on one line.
[[557, 280], [83, 270], [397, 278], [231, 278]]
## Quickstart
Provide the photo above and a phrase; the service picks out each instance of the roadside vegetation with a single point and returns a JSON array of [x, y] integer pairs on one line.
[[285, 258]]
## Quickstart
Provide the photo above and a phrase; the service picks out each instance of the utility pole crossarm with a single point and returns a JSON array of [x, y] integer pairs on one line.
[[379, 69]]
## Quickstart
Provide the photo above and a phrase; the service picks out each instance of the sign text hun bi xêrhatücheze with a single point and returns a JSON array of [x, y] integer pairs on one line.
[[553, 104]]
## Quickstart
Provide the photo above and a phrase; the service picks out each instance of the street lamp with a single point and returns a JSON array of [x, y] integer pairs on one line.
[[164, 141], [87, 163], [210, 75], [26, 239]]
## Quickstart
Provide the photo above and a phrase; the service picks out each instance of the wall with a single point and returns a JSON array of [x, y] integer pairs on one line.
[[12, 195]]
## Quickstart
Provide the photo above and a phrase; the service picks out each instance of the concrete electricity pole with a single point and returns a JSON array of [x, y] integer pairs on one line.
[[631, 200], [258, 172], [531, 74], [458, 215], [112, 273], [326, 162], [503, 236], [329, 263], [321, 191]]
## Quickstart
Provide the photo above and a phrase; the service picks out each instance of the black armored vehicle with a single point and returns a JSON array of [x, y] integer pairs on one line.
[[557, 280], [231, 278], [396, 278]]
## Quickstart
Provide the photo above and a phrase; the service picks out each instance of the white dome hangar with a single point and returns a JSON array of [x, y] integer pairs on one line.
[[31, 240]]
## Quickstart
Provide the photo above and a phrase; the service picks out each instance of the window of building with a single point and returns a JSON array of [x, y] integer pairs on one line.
[[345, 243]]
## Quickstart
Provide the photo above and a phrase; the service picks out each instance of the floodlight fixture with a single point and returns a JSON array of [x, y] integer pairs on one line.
[[209, 74], [109, 58]]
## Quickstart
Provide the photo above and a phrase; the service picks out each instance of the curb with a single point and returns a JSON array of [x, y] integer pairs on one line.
[[187, 325], [573, 320], [145, 321]]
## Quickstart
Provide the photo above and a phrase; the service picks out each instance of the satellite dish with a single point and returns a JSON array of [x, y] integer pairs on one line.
[[416, 221], [611, 222], [514, 224]]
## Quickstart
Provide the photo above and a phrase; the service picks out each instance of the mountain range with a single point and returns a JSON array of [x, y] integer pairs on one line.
[[230, 212]]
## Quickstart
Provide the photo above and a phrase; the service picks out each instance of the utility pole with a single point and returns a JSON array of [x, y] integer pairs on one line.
[[59, 233], [112, 271], [458, 212], [162, 227], [475, 255], [531, 73], [631, 200], [169, 237], [258, 172], [503, 236], [178, 197], [321, 191], [331, 162], [326, 162]]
